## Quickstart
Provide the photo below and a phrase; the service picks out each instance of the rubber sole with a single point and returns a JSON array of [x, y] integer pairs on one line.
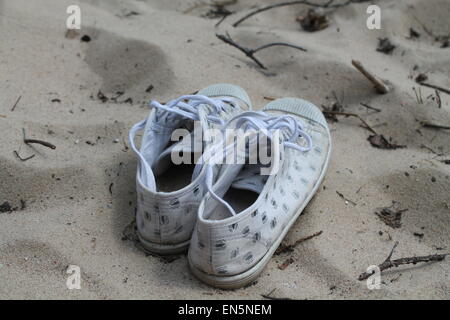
[[163, 249], [247, 277]]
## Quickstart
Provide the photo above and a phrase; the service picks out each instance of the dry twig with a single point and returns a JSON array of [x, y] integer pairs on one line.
[[328, 5], [346, 199], [438, 99], [380, 142], [376, 140], [270, 297], [15, 104], [347, 114], [23, 159], [432, 86], [288, 248], [435, 126], [380, 86], [444, 39], [418, 94], [388, 263], [250, 52], [41, 142], [365, 105]]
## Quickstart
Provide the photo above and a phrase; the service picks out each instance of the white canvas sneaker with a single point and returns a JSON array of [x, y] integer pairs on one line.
[[245, 215], [168, 195]]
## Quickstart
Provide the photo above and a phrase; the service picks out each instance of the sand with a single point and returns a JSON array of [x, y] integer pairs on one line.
[[71, 218]]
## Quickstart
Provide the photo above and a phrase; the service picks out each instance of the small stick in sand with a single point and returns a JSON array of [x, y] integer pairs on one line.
[[365, 105], [418, 94], [380, 86], [346, 199], [287, 248], [432, 86], [250, 52], [328, 5], [270, 297], [41, 142], [435, 126], [15, 104], [23, 159], [438, 99], [2, 116], [347, 114], [388, 263]]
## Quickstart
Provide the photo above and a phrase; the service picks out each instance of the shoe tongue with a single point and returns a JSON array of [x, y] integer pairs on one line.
[[190, 147], [249, 176]]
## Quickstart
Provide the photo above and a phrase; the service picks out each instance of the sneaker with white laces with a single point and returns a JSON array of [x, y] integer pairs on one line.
[[245, 215], [168, 195]]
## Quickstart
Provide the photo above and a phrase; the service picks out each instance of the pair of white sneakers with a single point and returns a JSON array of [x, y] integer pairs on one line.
[[230, 216]]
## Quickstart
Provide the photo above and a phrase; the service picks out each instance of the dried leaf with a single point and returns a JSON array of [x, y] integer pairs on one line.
[[392, 218], [385, 46], [314, 20], [421, 78], [102, 97], [335, 107], [444, 40], [380, 142], [413, 33], [5, 207], [286, 263]]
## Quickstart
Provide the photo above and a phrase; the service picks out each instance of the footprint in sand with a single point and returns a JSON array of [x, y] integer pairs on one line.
[[427, 218], [39, 267], [126, 64]]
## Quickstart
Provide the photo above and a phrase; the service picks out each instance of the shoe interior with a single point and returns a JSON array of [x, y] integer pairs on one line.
[[238, 199], [175, 177], [169, 176], [242, 191]]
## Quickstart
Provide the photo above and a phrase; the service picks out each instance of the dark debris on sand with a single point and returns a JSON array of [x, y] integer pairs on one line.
[[314, 20], [391, 216], [85, 38], [380, 142], [422, 77], [385, 46], [6, 207]]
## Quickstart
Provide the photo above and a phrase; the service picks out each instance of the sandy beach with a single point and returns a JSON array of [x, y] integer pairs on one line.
[[74, 204]]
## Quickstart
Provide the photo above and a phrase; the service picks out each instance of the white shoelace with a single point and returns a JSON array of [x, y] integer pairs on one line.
[[267, 124], [189, 110], [290, 128]]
